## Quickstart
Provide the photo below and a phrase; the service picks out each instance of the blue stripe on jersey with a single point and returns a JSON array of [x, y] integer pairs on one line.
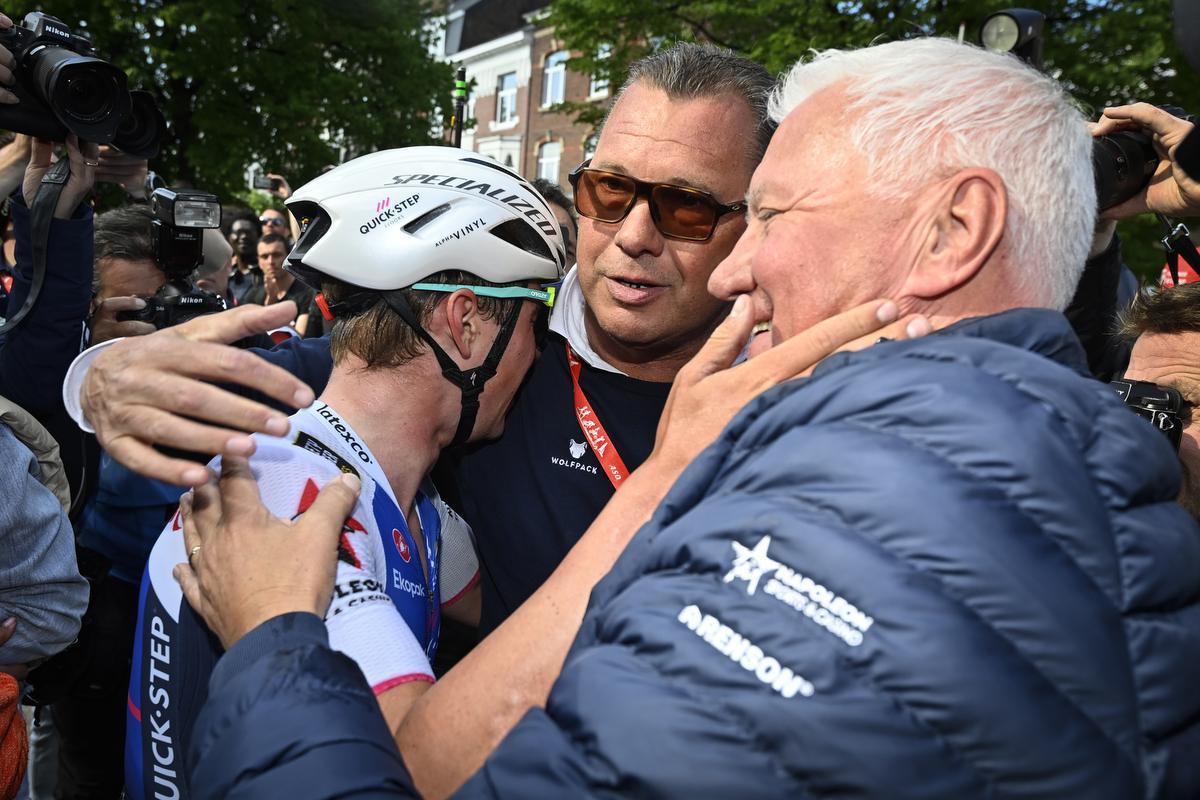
[[133, 704], [416, 600]]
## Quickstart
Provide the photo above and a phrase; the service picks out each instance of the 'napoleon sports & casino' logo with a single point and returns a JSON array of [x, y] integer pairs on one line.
[[815, 601]]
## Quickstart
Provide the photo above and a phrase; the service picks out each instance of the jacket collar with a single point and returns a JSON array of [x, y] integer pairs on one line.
[[1039, 330]]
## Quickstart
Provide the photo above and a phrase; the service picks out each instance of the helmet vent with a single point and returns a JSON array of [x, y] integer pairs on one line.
[[426, 218], [314, 224], [519, 234]]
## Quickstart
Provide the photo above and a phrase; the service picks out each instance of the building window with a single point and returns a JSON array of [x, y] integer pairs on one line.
[[589, 146], [506, 98], [554, 79], [599, 85], [548, 157]]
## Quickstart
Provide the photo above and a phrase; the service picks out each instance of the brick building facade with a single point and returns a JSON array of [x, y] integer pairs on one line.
[[517, 66]]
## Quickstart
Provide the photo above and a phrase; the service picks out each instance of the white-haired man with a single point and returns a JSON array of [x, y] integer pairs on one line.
[[939, 568]]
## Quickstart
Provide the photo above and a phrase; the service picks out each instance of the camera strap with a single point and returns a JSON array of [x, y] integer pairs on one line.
[[41, 214], [1178, 244]]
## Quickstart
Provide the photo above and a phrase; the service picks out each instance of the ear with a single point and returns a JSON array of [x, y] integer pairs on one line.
[[966, 222], [463, 323]]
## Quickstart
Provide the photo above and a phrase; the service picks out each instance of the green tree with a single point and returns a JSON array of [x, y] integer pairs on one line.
[[292, 85], [1106, 52]]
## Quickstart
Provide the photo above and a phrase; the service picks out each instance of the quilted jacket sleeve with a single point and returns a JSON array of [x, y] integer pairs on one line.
[[289, 717]]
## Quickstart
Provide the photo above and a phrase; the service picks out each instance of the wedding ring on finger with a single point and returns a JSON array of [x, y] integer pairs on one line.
[[193, 551]]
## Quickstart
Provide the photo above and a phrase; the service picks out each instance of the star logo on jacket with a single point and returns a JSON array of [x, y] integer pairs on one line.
[[749, 564], [401, 545], [577, 448]]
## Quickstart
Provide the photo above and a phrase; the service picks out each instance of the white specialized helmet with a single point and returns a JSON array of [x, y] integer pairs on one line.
[[390, 219], [387, 221]]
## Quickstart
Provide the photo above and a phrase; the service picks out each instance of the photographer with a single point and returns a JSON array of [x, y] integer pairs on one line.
[[41, 584], [1107, 285], [1164, 328], [115, 534], [43, 590], [35, 355]]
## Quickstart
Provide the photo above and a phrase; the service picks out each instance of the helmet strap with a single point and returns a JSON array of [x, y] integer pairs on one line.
[[470, 382]]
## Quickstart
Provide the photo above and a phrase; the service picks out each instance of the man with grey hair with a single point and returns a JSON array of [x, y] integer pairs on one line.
[[660, 206], [943, 567]]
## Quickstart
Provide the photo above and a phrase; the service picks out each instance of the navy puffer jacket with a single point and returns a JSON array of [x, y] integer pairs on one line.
[[942, 568]]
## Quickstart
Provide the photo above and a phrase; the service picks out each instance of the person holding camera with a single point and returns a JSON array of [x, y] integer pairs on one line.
[[44, 596], [274, 220], [1107, 285], [114, 534], [1157, 335], [1164, 328]]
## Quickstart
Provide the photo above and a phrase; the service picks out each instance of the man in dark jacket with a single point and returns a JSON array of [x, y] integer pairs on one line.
[[950, 567]]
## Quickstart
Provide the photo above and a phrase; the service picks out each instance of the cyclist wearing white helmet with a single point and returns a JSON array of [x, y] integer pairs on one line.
[[424, 257]]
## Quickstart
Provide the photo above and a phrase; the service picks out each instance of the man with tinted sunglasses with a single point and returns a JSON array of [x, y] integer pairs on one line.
[[659, 205]]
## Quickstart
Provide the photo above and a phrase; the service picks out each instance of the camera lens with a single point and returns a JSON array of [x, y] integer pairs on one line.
[[142, 130], [1123, 163], [88, 97]]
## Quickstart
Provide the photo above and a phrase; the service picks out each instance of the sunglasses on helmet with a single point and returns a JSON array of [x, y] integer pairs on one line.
[[545, 295], [679, 212]]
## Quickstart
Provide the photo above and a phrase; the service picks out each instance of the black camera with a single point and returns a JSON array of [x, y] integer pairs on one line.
[[180, 218], [174, 303], [1161, 405], [1125, 161], [64, 88]]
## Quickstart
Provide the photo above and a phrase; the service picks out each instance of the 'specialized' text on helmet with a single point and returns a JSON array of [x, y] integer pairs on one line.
[[391, 219]]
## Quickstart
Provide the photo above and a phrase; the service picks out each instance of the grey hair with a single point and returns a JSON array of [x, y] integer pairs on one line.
[[688, 71], [125, 233], [921, 109]]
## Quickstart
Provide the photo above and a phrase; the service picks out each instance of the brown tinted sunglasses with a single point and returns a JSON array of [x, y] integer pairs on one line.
[[678, 212]]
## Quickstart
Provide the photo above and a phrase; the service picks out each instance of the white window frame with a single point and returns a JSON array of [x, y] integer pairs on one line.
[[544, 162], [598, 87], [554, 78], [506, 100]]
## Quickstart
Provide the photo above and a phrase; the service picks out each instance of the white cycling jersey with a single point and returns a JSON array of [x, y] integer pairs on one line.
[[383, 613]]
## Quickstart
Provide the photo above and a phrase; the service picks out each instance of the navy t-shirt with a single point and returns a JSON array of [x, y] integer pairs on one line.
[[531, 494]]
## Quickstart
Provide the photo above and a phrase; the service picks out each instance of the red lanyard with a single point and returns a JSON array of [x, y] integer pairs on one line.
[[593, 429]]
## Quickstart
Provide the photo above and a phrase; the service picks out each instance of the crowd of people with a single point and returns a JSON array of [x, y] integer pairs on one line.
[[774, 456]]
